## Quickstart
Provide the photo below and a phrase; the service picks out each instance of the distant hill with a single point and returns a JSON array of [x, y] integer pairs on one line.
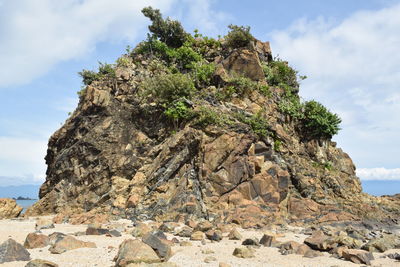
[[30, 191]]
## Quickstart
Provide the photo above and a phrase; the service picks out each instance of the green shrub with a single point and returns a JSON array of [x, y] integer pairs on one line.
[[238, 36], [104, 70], [123, 62], [279, 72], [167, 88], [257, 123], [291, 106], [319, 122], [185, 57], [277, 145], [203, 73], [167, 31], [178, 111], [206, 116]]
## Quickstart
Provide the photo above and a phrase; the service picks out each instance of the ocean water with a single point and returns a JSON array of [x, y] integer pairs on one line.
[[26, 203]]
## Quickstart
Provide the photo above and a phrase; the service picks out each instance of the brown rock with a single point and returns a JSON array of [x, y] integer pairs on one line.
[[318, 241], [214, 235], [234, 235], [160, 246], [34, 240], [41, 263], [197, 236], [243, 252], [209, 259], [223, 264], [244, 62], [13, 251], [68, 243], [268, 240], [204, 226], [9, 208], [358, 256], [135, 251]]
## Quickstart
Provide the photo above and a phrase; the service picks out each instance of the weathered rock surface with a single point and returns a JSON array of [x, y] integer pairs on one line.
[[116, 156], [9, 208], [34, 240], [358, 256], [10, 250], [41, 263], [160, 246], [68, 243], [134, 251], [243, 252]]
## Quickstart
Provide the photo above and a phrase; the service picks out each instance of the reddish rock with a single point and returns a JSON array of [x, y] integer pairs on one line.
[[358, 256], [34, 240], [135, 251]]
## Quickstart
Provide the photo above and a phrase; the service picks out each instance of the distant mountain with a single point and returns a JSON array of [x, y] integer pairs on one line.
[[29, 191]]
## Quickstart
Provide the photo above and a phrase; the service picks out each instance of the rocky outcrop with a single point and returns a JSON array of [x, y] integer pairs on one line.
[[9, 208], [118, 155]]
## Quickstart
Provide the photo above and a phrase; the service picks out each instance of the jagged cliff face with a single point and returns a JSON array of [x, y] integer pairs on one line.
[[118, 154]]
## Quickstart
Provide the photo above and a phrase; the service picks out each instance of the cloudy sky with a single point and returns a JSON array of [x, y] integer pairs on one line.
[[348, 49]]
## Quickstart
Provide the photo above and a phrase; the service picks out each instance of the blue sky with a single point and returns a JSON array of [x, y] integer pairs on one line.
[[348, 49]]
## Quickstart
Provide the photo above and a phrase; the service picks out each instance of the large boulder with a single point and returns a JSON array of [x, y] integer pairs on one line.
[[10, 250], [135, 251], [160, 246], [9, 208], [68, 243], [34, 240], [358, 256]]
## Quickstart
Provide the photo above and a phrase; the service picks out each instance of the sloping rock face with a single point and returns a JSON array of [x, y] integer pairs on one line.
[[119, 155], [9, 208]]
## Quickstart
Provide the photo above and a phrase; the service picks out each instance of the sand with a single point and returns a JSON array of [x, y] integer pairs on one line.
[[107, 248]]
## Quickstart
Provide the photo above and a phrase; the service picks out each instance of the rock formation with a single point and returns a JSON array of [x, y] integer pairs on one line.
[[9, 208], [239, 156]]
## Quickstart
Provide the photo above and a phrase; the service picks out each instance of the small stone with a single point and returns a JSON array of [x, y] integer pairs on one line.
[[168, 227], [197, 236], [234, 235], [44, 224], [223, 264], [214, 235], [204, 226], [251, 242], [41, 263], [209, 259], [269, 241], [96, 230], [34, 240], [13, 251], [243, 252], [186, 231]]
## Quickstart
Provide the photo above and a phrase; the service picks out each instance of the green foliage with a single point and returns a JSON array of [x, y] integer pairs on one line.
[[279, 72], [207, 116], [277, 145], [178, 111], [203, 73], [238, 36], [183, 57], [167, 31], [123, 62], [241, 86], [167, 88], [319, 122], [104, 70], [257, 123], [292, 107]]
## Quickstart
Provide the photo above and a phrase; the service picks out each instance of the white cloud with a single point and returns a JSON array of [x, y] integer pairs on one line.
[[36, 35], [22, 159], [353, 68], [379, 174]]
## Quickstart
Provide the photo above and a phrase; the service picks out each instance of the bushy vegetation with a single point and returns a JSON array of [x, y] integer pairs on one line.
[[319, 122], [257, 123], [203, 73], [238, 36], [178, 111], [206, 116], [278, 72], [104, 70], [169, 87], [167, 31]]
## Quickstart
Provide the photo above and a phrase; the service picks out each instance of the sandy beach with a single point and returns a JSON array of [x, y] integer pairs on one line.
[[194, 255]]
